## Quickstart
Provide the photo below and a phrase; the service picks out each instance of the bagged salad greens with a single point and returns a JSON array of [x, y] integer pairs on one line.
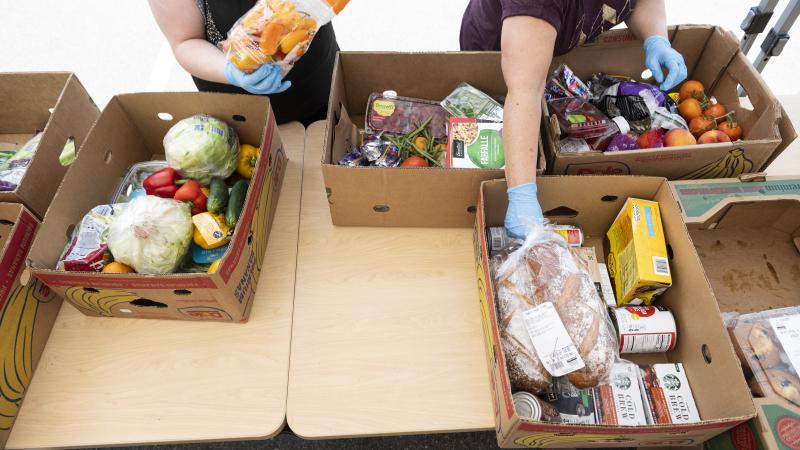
[[468, 102]]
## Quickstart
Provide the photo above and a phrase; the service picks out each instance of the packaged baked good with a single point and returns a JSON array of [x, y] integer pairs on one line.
[[553, 322], [768, 344]]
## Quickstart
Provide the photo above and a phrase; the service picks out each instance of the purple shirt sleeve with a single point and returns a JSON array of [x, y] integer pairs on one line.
[[551, 11]]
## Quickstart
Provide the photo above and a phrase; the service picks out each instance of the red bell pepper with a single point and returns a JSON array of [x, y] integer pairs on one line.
[[191, 192], [161, 183]]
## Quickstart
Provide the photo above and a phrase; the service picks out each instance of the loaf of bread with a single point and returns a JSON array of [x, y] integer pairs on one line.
[[550, 272]]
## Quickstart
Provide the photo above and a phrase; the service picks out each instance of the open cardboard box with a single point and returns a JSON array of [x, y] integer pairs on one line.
[[714, 58], [28, 310], [747, 235], [402, 197], [56, 102], [130, 130], [722, 397]]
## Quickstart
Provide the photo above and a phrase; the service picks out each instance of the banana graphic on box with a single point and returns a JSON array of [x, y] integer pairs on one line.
[[733, 164], [16, 347], [98, 302]]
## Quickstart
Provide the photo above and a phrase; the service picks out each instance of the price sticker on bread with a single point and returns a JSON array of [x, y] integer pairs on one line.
[[551, 341]]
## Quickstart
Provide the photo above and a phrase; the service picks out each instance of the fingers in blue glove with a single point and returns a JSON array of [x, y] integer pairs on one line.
[[271, 81], [677, 72], [524, 213]]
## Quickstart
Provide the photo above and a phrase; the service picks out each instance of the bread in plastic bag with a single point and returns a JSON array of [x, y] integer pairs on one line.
[[767, 363], [202, 147], [277, 31], [544, 269], [152, 235]]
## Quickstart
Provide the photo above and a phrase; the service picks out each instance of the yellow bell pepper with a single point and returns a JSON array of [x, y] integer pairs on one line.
[[210, 230], [214, 266], [248, 157]]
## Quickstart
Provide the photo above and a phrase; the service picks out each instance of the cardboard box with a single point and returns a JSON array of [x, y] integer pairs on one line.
[[747, 235], [403, 197], [28, 310], [131, 130], [592, 203], [637, 256], [714, 58], [56, 102]]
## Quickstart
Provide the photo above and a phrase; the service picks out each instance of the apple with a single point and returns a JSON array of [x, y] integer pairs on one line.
[[679, 137], [651, 139], [713, 136]]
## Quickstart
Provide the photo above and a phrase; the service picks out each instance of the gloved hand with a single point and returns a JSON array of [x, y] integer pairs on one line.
[[659, 52], [266, 80], [524, 213]]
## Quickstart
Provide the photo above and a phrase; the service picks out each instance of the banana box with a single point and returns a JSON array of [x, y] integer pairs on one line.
[[637, 253], [27, 312]]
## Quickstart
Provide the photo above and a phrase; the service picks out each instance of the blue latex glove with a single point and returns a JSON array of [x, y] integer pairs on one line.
[[264, 81], [524, 213], [659, 52]]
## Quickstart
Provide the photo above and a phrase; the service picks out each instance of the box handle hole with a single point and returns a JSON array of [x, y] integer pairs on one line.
[[107, 157], [182, 292], [472, 209], [165, 116], [250, 239], [6, 222], [706, 353], [670, 254], [147, 303], [239, 118], [609, 198], [381, 208], [91, 290], [561, 211]]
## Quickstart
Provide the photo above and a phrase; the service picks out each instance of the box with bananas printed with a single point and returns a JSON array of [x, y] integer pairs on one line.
[[28, 310]]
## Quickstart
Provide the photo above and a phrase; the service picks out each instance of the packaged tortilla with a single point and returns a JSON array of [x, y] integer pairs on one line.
[[277, 31]]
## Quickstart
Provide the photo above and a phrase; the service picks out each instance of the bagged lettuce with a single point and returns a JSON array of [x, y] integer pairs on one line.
[[152, 235], [277, 31], [14, 168]]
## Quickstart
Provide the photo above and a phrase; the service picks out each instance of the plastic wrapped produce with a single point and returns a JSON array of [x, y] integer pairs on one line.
[[87, 250], [152, 235], [470, 102], [553, 322], [202, 147], [277, 31], [14, 168]]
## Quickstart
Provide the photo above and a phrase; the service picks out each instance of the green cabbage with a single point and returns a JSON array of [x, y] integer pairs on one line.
[[152, 235], [201, 147]]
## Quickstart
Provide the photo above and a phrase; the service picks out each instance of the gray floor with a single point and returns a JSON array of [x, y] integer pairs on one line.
[[288, 441]]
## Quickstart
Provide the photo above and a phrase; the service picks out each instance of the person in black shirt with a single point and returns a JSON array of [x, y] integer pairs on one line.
[[195, 28]]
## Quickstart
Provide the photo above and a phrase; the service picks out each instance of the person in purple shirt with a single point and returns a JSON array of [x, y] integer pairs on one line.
[[529, 33]]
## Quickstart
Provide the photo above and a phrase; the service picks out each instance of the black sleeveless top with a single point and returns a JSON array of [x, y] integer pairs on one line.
[[307, 100]]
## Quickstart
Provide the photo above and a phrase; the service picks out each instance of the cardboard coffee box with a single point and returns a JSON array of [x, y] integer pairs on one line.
[[703, 347], [712, 57], [402, 197], [28, 310], [131, 129], [747, 235], [55, 102]]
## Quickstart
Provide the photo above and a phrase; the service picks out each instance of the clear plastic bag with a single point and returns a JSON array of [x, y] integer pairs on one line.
[[277, 31], [544, 270], [470, 102], [14, 168], [152, 235]]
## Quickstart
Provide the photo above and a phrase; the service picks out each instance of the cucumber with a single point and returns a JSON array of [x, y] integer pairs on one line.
[[236, 203], [217, 196]]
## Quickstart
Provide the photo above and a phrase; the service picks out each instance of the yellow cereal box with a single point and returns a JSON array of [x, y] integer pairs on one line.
[[637, 258]]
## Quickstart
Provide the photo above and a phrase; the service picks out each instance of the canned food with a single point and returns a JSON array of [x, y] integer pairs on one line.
[[528, 406], [644, 329], [572, 234]]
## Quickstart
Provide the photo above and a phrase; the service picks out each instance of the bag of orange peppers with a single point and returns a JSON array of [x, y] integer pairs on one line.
[[277, 31]]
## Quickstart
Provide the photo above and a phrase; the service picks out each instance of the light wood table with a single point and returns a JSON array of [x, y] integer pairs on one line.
[[104, 382], [387, 335]]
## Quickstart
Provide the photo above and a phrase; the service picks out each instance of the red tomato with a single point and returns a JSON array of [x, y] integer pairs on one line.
[[716, 110], [690, 108], [699, 125], [414, 161], [691, 89], [733, 130]]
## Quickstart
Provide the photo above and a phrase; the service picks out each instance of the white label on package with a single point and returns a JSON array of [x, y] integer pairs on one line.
[[551, 340], [627, 394], [787, 328], [605, 286]]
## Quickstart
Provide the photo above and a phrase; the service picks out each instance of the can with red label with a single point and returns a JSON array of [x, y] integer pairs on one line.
[[645, 329]]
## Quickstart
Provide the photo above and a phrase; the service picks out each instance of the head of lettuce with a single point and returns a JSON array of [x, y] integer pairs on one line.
[[201, 147], [152, 235]]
